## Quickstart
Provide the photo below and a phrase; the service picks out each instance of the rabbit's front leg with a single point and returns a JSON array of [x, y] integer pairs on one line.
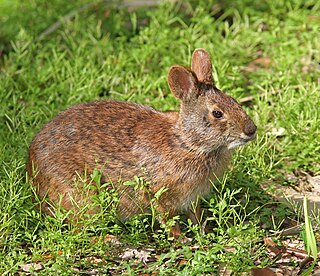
[[175, 230], [176, 233], [195, 214]]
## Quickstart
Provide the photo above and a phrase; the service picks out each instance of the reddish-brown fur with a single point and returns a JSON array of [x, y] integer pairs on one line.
[[180, 151]]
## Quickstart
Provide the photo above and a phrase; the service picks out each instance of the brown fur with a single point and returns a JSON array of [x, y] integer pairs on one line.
[[181, 151]]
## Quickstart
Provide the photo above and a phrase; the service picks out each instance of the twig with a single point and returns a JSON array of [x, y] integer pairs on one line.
[[292, 231], [140, 3], [71, 15]]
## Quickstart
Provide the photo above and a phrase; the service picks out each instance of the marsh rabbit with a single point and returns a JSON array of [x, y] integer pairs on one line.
[[178, 152]]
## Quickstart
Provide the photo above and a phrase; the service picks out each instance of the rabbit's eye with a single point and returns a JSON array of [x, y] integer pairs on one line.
[[217, 114]]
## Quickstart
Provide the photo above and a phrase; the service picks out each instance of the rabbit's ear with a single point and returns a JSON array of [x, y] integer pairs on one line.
[[182, 82], [201, 66]]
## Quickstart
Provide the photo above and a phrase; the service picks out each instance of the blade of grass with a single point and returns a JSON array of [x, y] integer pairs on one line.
[[310, 240]]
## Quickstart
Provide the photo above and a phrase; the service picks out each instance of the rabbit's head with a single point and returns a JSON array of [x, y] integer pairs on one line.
[[209, 119]]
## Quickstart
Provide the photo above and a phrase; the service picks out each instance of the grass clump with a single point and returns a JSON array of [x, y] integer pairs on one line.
[[265, 51]]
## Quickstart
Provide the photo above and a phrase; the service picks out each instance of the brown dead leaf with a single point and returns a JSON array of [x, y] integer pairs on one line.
[[95, 260], [259, 63], [291, 177], [262, 62], [262, 272], [157, 257], [315, 182], [143, 254], [107, 13], [223, 270], [277, 132], [107, 238], [314, 18], [316, 271], [273, 249], [269, 242], [305, 261], [309, 64], [49, 256], [183, 261], [301, 254], [32, 267], [247, 101]]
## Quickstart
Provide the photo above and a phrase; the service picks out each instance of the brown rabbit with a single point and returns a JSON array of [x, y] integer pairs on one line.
[[178, 151]]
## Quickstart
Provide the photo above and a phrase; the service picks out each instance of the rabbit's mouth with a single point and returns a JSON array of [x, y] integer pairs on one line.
[[240, 141], [236, 143]]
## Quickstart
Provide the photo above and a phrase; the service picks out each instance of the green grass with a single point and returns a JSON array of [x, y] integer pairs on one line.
[[106, 52]]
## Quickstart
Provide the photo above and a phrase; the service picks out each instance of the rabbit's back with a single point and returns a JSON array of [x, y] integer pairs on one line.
[[98, 133]]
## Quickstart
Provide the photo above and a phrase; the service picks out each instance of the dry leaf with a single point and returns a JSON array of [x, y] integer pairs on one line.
[[277, 132], [183, 261], [314, 181], [246, 100], [107, 238], [262, 62], [95, 260], [142, 255], [223, 270], [259, 63], [262, 272], [32, 267]]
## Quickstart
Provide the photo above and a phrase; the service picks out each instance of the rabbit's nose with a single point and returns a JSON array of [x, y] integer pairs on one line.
[[250, 128]]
